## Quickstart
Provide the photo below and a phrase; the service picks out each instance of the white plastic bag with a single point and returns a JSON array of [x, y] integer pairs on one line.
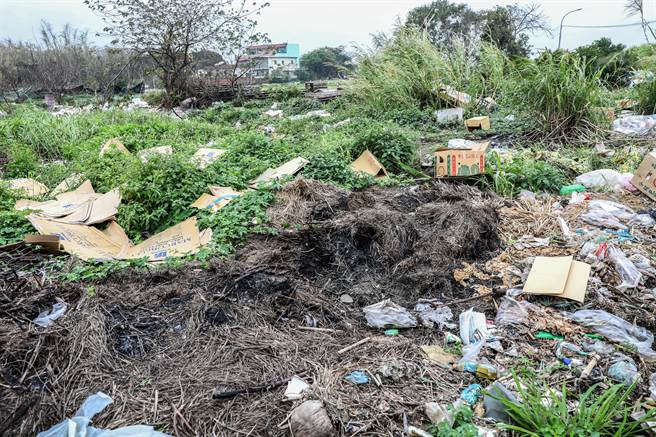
[[605, 179], [643, 264], [387, 313], [635, 124], [78, 426], [616, 329], [429, 316], [628, 272], [472, 326], [47, 318], [607, 214]]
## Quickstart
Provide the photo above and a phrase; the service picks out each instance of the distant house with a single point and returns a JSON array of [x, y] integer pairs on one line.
[[268, 61]]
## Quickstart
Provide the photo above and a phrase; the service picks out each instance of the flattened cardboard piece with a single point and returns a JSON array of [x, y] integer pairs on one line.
[[215, 202], [644, 178], [438, 356], [145, 154], [68, 184], [289, 168], [99, 210], [548, 275], [50, 243], [204, 157], [577, 281], [115, 233], [559, 277], [206, 236], [179, 240], [85, 242], [30, 187], [450, 94], [115, 144], [482, 122], [77, 194], [66, 203], [468, 161], [367, 163]]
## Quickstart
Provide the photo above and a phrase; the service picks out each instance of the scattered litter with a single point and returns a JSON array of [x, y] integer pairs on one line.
[[605, 179], [607, 214], [367, 163], [387, 313], [470, 161], [71, 182], [527, 196], [543, 335], [616, 329], [289, 168], [430, 316], [391, 332], [78, 426], [566, 190], [47, 318], [482, 122], [472, 394], [494, 408], [628, 272], [205, 156], [295, 388], [310, 419], [115, 145], [635, 124], [146, 154], [274, 113], [357, 377], [652, 386], [219, 198], [413, 431], [449, 116], [319, 113], [472, 327], [346, 298], [644, 179], [643, 265], [559, 277], [481, 370], [623, 369], [29, 187], [438, 356], [450, 94], [528, 242], [451, 338]]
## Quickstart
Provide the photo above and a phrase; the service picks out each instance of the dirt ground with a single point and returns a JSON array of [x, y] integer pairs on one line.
[[161, 343]]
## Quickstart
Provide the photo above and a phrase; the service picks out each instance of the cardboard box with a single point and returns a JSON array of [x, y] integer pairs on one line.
[[461, 162], [482, 122], [368, 163], [644, 178]]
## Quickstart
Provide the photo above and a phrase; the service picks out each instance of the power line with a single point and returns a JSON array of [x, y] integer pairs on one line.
[[610, 25]]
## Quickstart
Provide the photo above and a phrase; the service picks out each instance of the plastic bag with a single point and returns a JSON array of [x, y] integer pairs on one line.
[[472, 326], [527, 196], [605, 179], [78, 426], [512, 312], [643, 220], [628, 272], [635, 124], [430, 316], [643, 264], [470, 352], [387, 313], [623, 370], [47, 318], [652, 386], [607, 214], [617, 329], [597, 346]]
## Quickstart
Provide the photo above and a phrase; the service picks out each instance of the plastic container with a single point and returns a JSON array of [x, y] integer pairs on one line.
[[481, 370], [569, 189]]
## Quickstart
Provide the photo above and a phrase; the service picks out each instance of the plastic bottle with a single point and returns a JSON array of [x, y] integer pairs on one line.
[[569, 189], [481, 370]]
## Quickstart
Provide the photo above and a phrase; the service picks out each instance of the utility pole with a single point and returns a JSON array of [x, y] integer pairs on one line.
[[560, 33]]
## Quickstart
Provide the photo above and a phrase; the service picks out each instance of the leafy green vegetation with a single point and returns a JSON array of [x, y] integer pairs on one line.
[[462, 425], [544, 412]]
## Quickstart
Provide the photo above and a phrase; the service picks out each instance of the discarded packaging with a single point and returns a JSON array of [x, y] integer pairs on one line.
[[449, 115], [494, 408], [78, 426], [357, 377], [472, 327], [289, 168], [616, 329], [310, 419], [605, 179], [479, 369], [430, 316], [219, 198], [205, 156], [70, 183], [569, 189], [607, 214], [295, 388], [472, 394], [558, 276], [47, 318], [438, 356], [635, 124], [623, 370], [461, 162], [319, 113], [367, 163], [450, 94], [114, 144], [628, 272], [388, 314], [482, 122], [274, 113], [29, 187], [644, 178]]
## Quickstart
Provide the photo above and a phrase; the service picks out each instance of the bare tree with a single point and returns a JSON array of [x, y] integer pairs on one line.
[[168, 31], [17, 65], [528, 18]]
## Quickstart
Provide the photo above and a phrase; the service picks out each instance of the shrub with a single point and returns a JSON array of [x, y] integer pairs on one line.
[[13, 224], [647, 97], [390, 143], [22, 161], [558, 94], [336, 169], [509, 178]]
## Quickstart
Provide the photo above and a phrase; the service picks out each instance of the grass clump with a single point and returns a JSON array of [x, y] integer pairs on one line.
[[391, 144], [646, 93], [558, 94], [544, 412], [509, 177]]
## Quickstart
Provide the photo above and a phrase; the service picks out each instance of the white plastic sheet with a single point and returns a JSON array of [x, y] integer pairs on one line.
[[628, 272], [472, 326], [47, 318], [635, 124], [605, 179], [78, 426], [607, 214], [387, 313]]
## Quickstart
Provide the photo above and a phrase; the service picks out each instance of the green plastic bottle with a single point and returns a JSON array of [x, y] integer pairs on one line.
[[569, 189]]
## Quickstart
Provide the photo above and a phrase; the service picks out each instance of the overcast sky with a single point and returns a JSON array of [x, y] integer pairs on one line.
[[317, 23]]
